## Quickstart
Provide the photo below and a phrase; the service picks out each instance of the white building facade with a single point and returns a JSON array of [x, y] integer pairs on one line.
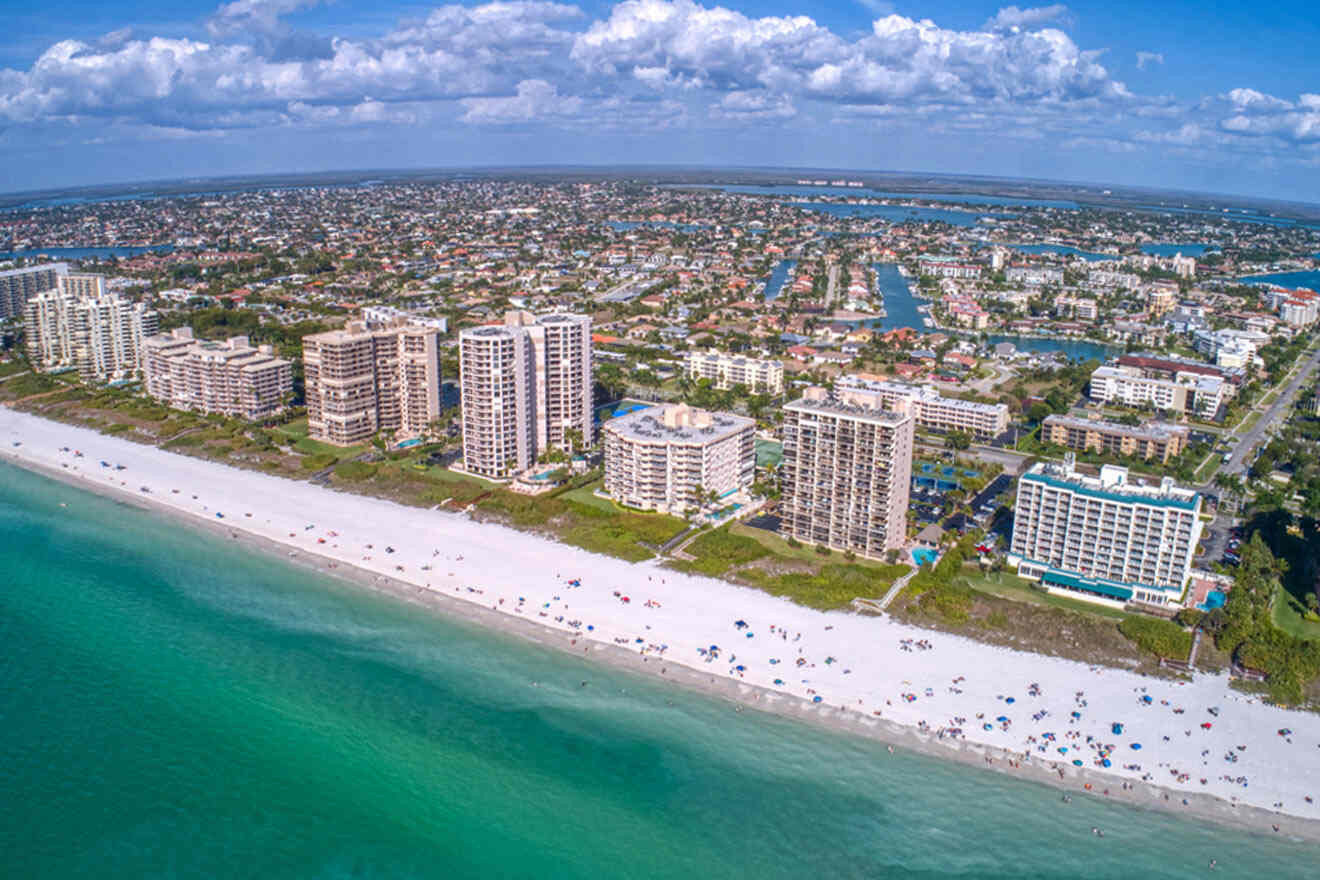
[[1105, 538]]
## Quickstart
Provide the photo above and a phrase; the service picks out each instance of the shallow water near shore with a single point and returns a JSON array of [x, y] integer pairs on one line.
[[176, 706]]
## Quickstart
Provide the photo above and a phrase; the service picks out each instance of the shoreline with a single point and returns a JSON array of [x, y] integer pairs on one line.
[[854, 722]]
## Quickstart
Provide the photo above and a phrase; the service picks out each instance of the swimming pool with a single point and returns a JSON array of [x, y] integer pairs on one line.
[[1213, 599], [922, 555], [407, 443]]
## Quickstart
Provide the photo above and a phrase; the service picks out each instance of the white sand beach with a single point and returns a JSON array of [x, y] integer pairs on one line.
[[1198, 740]]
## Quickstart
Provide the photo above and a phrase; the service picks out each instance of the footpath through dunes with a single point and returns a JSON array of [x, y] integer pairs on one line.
[[1045, 717]]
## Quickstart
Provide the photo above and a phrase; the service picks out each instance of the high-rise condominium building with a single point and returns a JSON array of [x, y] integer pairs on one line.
[[846, 473], [928, 407], [1104, 538], [79, 325], [229, 377], [17, 286], [728, 370], [526, 387], [369, 378], [673, 457]]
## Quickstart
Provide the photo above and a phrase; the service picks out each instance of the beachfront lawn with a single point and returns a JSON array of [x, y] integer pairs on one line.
[[759, 559], [12, 368], [586, 496], [1007, 585], [613, 531], [719, 550], [829, 588], [782, 549]]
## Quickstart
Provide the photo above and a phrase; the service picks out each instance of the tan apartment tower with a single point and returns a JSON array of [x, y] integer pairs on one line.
[[526, 387], [846, 473], [495, 380], [367, 378], [230, 377]]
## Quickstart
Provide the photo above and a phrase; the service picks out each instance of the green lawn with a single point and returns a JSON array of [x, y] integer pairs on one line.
[[779, 547], [1007, 585], [9, 368], [585, 495], [831, 587], [1288, 617]]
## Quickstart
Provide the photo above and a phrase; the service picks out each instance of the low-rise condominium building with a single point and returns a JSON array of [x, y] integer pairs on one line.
[[1191, 393], [928, 407], [727, 370], [231, 377], [846, 473], [1153, 440], [1104, 538], [675, 458]]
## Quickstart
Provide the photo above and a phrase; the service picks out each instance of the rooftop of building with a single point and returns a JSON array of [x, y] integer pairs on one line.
[[1112, 483], [1149, 430], [818, 400], [922, 392], [1155, 362], [678, 423]]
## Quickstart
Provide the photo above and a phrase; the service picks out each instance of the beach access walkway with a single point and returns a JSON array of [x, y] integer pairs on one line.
[[897, 588]]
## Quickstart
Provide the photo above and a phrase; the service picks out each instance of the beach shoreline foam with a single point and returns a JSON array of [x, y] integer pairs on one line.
[[472, 597]]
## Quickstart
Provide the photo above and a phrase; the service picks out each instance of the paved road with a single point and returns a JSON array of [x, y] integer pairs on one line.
[[832, 286], [1270, 420]]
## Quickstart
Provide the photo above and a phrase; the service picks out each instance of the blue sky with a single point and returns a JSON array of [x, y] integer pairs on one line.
[[1173, 94]]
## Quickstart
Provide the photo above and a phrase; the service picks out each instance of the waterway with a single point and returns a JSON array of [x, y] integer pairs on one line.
[[85, 253], [1310, 280], [1172, 249], [778, 278], [1063, 250], [1073, 349], [898, 213], [865, 192]]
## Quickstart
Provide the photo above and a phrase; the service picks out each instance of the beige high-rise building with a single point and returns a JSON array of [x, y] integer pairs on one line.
[[526, 387], [499, 421], [364, 379], [230, 377], [846, 473], [79, 325], [672, 457]]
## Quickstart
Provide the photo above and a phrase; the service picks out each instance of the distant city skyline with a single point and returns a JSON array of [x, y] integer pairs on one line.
[[1102, 93]]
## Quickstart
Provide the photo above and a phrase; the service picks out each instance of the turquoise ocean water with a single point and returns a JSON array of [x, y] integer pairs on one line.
[[175, 707]]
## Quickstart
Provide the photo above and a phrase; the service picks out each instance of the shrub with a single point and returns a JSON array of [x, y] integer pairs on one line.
[[822, 550], [317, 462], [355, 470], [794, 542], [1157, 636]]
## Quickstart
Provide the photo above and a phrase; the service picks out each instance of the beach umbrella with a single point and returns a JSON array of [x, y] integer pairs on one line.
[[1105, 763], [1147, 700], [779, 681], [816, 699], [1076, 763], [1009, 700], [740, 668], [1002, 718], [1077, 714], [1136, 747], [1117, 729]]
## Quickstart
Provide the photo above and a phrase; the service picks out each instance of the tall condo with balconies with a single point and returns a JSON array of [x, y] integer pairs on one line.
[[368, 378], [1105, 538], [846, 473], [526, 387], [80, 325]]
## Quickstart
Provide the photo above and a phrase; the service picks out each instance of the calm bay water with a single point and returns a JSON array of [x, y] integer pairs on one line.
[[174, 706], [1307, 279]]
